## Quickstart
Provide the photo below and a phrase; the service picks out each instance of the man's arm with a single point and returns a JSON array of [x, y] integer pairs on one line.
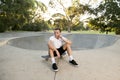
[[51, 46], [66, 40]]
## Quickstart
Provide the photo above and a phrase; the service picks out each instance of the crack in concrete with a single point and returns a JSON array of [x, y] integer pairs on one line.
[[55, 75], [56, 72]]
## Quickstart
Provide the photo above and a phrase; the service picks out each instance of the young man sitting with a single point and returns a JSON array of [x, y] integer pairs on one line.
[[57, 45]]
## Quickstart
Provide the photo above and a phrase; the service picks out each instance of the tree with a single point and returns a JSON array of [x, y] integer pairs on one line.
[[72, 13], [14, 14], [107, 16], [38, 11], [61, 23]]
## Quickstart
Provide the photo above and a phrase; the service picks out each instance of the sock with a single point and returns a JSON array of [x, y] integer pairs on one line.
[[70, 57], [53, 60]]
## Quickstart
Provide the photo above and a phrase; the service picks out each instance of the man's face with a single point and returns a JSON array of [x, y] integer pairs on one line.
[[57, 33]]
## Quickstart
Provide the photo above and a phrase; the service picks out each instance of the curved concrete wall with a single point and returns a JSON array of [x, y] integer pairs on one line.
[[79, 41]]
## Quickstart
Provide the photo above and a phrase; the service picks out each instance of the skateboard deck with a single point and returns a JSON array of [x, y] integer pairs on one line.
[[47, 57]]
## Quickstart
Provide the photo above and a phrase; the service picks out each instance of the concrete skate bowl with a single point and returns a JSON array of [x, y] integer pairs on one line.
[[79, 41]]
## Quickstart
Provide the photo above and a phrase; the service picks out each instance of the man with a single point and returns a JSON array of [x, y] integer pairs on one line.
[[57, 45]]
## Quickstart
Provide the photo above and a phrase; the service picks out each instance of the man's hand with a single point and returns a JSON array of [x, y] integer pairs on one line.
[[61, 36], [65, 40], [58, 54]]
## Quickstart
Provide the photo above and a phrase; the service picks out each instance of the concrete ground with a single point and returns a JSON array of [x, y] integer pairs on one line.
[[26, 64]]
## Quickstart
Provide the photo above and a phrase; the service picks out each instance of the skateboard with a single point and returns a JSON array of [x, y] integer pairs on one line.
[[47, 57]]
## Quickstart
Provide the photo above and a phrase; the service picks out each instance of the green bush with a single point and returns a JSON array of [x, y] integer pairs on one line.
[[3, 23], [78, 27], [37, 26], [117, 31], [3, 27]]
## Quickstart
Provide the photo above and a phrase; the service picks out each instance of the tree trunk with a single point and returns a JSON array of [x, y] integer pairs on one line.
[[69, 29]]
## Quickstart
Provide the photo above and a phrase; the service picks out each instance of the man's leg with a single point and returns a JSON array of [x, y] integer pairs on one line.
[[51, 53], [69, 51]]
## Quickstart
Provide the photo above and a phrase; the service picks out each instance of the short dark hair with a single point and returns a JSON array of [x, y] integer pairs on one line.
[[58, 29]]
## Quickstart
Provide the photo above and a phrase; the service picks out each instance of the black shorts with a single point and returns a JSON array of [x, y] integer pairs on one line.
[[60, 50]]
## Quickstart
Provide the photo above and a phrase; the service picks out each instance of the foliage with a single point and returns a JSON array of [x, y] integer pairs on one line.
[[110, 16], [36, 26], [78, 27], [61, 23], [72, 13], [14, 14]]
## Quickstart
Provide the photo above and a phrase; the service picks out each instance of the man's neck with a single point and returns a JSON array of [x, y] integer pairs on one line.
[[57, 37]]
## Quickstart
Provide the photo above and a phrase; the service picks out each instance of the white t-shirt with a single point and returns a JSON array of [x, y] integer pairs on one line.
[[57, 42]]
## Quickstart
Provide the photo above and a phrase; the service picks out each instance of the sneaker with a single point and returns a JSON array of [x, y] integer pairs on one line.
[[73, 62], [54, 66]]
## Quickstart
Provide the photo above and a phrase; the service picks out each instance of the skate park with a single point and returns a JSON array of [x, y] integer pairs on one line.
[[98, 57]]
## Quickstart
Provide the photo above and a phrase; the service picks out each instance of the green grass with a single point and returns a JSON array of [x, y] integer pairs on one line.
[[89, 32], [77, 32]]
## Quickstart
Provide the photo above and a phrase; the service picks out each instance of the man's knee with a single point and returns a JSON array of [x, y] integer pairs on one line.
[[50, 50], [48, 46], [68, 45]]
